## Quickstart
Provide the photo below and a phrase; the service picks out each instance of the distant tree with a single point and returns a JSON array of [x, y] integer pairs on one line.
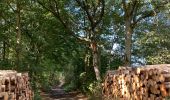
[[134, 12]]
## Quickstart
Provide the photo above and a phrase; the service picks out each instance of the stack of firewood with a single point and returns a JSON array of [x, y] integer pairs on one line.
[[15, 86], [143, 83]]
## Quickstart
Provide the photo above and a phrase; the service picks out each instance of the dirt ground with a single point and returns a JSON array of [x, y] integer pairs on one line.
[[59, 94]]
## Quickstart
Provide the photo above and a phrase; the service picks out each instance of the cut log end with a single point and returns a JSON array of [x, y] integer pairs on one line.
[[144, 83], [15, 86]]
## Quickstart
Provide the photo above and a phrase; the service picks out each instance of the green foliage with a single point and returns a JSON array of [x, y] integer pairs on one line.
[[153, 45], [156, 45], [51, 54], [37, 96]]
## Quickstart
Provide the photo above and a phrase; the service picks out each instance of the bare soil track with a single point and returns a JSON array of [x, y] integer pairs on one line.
[[59, 94]]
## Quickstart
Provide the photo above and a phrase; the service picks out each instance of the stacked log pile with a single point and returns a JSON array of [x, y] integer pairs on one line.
[[144, 83], [14, 86]]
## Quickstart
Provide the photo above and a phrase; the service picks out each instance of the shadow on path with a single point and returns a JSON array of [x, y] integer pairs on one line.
[[58, 93]]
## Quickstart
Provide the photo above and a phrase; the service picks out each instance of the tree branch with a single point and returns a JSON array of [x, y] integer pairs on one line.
[[135, 12], [124, 5], [150, 13], [101, 14], [11, 7], [41, 3], [143, 16], [134, 4], [56, 13], [85, 8], [94, 9], [90, 17], [6, 21]]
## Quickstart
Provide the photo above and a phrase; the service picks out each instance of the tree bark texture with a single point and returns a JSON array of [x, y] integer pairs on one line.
[[96, 60], [4, 50], [128, 41]]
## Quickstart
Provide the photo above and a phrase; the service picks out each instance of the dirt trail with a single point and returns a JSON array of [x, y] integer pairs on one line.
[[59, 94]]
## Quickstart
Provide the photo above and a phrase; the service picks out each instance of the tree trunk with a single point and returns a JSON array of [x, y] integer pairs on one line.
[[18, 34], [4, 50], [95, 60], [128, 41], [87, 61]]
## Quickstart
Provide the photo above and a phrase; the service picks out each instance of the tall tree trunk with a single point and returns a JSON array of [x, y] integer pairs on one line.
[[4, 50], [128, 41], [95, 60], [18, 34]]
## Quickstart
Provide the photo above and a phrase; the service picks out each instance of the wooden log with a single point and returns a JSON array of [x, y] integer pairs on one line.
[[13, 85], [4, 95], [168, 91], [160, 67], [159, 98], [152, 97], [136, 79], [167, 77], [2, 88], [155, 89], [167, 85], [163, 90], [140, 83], [161, 78]]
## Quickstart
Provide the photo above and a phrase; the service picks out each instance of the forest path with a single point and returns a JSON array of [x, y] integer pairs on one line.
[[58, 93]]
